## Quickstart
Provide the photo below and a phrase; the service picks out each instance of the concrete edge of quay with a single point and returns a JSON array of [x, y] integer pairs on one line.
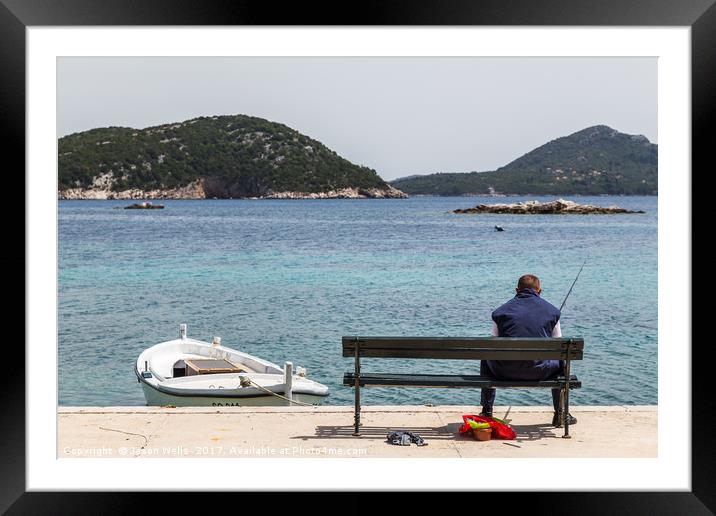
[[467, 409]]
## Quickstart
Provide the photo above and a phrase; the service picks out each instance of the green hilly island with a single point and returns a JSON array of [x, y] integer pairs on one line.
[[594, 161], [220, 156]]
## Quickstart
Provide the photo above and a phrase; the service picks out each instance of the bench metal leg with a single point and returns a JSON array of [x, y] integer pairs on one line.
[[356, 378], [356, 417], [565, 410]]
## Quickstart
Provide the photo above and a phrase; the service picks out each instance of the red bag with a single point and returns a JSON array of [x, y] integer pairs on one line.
[[500, 429]]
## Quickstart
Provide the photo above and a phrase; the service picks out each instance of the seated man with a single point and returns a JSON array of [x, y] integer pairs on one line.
[[525, 315]]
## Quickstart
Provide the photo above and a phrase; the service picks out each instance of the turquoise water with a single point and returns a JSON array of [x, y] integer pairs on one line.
[[284, 280]]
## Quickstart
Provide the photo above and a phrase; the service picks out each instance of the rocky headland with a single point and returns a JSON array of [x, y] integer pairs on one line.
[[219, 157], [343, 193]]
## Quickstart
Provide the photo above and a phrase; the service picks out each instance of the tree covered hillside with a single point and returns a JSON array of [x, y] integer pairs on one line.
[[597, 160], [238, 156]]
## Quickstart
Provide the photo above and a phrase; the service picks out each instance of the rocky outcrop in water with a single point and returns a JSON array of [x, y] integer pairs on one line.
[[144, 206], [560, 206]]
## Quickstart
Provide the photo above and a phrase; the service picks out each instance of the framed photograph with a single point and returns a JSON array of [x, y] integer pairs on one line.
[[298, 181]]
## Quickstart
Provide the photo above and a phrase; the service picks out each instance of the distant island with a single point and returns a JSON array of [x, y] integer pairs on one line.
[[594, 161], [221, 157], [560, 206]]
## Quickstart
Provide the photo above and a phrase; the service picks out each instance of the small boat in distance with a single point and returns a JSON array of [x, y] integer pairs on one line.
[[499, 228], [190, 372], [144, 206]]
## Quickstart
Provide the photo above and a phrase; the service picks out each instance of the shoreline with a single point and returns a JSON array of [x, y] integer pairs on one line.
[[536, 195], [363, 198], [200, 190], [412, 196]]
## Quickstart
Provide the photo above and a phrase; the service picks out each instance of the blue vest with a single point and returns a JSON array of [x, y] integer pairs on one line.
[[526, 315]]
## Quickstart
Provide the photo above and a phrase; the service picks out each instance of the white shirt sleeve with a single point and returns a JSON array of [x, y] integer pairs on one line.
[[557, 330], [495, 330]]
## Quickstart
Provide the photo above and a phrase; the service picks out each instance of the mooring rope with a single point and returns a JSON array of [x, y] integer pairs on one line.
[[250, 381]]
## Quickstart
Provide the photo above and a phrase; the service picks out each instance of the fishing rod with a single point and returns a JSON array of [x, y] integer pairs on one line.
[[573, 283]]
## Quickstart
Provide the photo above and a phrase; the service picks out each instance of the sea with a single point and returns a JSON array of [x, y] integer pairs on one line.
[[286, 279]]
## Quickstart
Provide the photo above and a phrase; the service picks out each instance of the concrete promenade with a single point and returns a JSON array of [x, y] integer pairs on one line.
[[303, 432]]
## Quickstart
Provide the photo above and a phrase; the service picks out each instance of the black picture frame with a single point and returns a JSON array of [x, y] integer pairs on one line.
[[699, 15]]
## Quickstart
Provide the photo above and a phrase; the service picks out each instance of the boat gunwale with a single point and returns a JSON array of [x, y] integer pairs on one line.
[[188, 340]]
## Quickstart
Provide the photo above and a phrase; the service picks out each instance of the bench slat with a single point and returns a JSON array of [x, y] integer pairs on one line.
[[502, 342], [467, 354], [377, 346], [451, 381]]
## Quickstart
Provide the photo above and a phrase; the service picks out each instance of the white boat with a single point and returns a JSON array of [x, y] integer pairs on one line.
[[189, 372]]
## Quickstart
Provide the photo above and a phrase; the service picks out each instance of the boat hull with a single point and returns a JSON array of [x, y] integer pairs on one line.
[[155, 397], [163, 383]]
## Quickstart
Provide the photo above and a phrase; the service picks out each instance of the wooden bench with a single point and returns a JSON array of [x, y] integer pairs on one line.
[[470, 348]]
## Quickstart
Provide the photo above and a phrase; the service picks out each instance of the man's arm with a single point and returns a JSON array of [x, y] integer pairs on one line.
[[495, 330], [557, 330]]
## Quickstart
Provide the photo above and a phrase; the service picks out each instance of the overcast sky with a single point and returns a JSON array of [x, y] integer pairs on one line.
[[400, 116]]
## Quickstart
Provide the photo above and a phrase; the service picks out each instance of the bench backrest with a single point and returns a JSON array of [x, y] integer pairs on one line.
[[466, 348]]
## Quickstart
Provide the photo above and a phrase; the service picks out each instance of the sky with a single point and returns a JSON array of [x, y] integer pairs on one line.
[[397, 115]]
